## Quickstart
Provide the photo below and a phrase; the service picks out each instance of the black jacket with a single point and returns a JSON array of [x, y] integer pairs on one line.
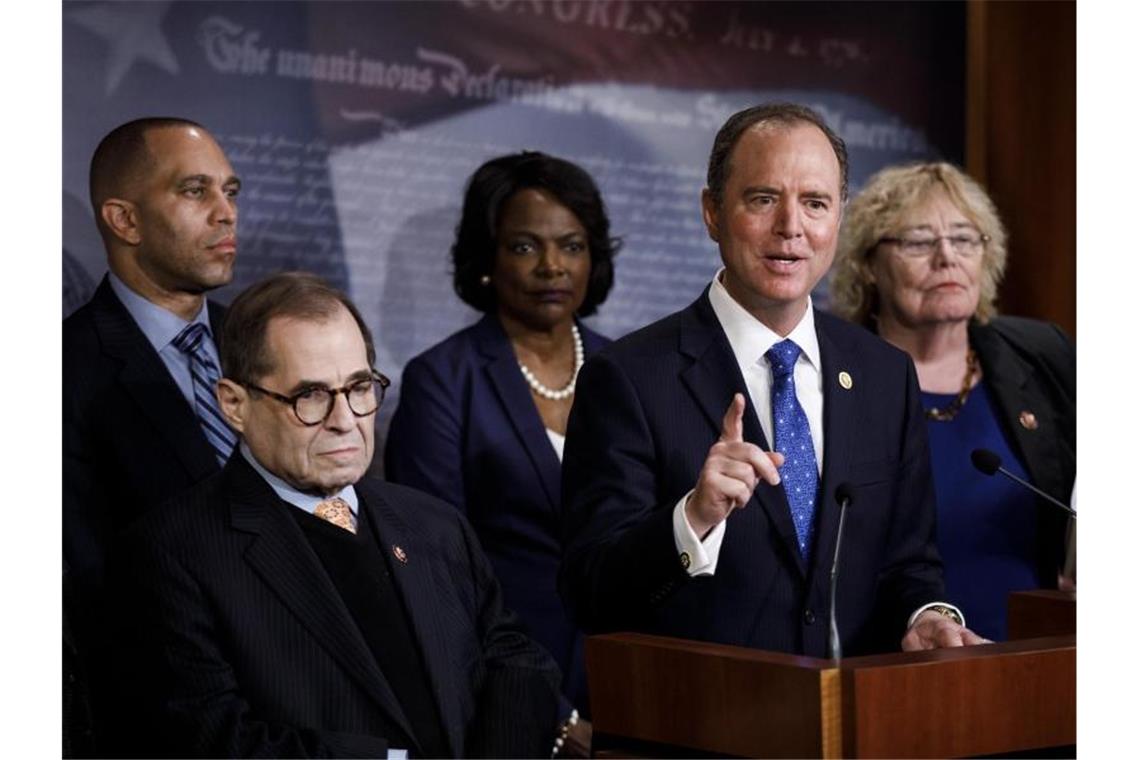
[[1031, 369], [242, 646], [646, 411], [130, 439]]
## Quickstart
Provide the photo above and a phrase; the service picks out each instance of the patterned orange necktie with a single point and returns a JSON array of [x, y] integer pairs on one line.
[[337, 511]]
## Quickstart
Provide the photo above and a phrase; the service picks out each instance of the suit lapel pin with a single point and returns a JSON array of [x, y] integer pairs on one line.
[[845, 380], [1027, 419], [400, 554]]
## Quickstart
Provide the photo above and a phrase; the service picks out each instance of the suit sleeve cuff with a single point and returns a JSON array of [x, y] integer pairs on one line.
[[925, 607], [697, 557]]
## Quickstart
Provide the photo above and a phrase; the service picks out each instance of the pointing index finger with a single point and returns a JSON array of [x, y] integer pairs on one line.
[[732, 429]]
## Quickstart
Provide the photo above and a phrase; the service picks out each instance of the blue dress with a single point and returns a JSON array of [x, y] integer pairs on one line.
[[986, 525]]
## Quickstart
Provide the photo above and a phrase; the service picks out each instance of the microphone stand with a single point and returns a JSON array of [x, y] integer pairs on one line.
[[834, 646], [989, 463]]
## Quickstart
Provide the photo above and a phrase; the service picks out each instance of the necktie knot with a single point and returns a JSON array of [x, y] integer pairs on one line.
[[336, 511], [190, 339], [782, 357]]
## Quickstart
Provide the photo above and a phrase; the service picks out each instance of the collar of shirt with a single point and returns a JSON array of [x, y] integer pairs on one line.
[[291, 495], [750, 338], [158, 325]]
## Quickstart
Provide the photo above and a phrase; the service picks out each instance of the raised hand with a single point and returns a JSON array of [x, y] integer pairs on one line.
[[730, 473]]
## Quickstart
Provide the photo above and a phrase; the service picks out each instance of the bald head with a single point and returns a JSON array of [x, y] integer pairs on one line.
[[122, 158], [165, 200]]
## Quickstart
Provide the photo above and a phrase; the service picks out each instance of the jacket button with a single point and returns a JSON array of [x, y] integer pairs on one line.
[[809, 617]]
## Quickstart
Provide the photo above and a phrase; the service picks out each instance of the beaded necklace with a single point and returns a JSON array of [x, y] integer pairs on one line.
[[955, 406]]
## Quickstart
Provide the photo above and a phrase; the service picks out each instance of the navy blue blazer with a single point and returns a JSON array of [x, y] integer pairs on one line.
[[647, 410], [468, 432], [241, 645]]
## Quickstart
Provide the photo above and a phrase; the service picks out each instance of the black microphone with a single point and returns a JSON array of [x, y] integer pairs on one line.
[[843, 498], [989, 463]]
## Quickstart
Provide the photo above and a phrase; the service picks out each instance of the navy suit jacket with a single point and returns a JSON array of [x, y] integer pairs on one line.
[[130, 439], [468, 432], [244, 647], [648, 409]]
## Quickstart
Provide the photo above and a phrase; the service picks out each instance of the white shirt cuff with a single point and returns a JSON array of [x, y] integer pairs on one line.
[[925, 607], [697, 557]]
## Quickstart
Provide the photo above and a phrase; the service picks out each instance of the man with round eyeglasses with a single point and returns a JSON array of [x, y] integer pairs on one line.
[[282, 383], [314, 405], [291, 607]]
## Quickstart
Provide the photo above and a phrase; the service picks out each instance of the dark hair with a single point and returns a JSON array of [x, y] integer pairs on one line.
[[784, 114], [495, 182], [123, 154], [289, 294]]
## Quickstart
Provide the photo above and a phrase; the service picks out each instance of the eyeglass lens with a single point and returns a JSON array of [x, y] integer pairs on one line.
[[962, 244], [315, 405]]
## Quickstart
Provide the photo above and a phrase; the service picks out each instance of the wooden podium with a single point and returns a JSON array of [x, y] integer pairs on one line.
[[661, 697], [1033, 614]]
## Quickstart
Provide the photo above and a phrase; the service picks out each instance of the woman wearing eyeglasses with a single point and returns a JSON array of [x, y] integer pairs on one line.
[[921, 254]]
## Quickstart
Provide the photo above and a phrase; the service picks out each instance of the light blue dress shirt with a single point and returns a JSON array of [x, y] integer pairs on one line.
[[161, 327], [291, 495]]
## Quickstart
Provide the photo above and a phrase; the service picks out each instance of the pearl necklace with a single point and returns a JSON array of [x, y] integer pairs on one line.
[[561, 393]]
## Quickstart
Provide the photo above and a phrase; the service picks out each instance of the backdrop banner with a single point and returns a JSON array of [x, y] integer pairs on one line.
[[354, 125]]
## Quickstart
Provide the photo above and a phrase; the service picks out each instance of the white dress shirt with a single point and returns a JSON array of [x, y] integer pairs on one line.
[[750, 339], [557, 440]]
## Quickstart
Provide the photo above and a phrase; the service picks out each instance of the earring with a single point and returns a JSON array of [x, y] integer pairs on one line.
[[485, 280]]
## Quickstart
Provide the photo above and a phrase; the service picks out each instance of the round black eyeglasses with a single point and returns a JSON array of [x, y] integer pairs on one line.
[[314, 405]]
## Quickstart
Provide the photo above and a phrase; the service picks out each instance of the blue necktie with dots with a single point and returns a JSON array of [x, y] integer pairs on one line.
[[205, 376], [793, 439]]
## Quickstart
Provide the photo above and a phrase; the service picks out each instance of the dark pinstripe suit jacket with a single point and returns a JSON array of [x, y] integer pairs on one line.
[[130, 440], [246, 648], [647, 409]]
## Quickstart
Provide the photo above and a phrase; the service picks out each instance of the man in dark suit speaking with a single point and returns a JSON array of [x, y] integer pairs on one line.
[[286, 607], [704, 451]]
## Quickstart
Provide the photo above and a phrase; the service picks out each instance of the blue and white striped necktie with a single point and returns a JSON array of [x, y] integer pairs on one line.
[[205, 375]]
